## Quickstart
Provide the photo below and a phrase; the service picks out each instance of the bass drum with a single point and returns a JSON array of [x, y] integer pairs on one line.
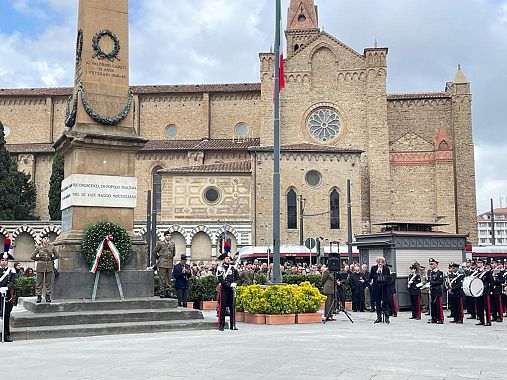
[[473, 286]]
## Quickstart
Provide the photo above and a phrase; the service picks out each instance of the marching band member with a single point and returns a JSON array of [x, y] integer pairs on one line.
[[228, 277], [482, 303], [436, 279], [496, 292], [7, 279], [470, 269], [415, 292], [454, 285]]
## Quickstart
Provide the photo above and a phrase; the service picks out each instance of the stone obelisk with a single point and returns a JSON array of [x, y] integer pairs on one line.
[[99, 151]]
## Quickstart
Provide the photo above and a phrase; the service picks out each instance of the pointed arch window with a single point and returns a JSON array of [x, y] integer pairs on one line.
[[334, 209], [292, 210]]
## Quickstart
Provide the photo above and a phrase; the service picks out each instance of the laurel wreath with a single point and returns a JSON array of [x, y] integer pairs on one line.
[[70, 116], [105, 120], [99, 53], [94, 234]]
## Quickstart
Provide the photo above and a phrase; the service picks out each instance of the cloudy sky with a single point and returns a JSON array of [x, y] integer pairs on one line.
[[218, 41]]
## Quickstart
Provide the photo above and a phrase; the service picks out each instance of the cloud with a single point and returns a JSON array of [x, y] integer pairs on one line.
[[215, 41], [490, 175]]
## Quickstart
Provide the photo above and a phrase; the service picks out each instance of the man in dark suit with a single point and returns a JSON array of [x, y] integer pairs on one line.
[[379, 274], [181, 274]]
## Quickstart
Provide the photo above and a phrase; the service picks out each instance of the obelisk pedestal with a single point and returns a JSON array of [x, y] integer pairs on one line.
[[99, 152]]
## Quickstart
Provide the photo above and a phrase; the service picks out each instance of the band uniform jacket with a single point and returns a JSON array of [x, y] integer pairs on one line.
[[328, 282], [164, 253], [227, 276], [413, 280], [456, 282], [44, 256], [8, 281], [436, 279], [498, 281]]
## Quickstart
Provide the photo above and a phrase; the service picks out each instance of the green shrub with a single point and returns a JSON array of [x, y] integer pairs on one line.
[[202, 288], [24, 287], [260, 279], [296, 279]]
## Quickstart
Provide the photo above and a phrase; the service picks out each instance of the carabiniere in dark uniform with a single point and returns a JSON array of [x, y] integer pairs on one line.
[[7, 279], [228, 277]]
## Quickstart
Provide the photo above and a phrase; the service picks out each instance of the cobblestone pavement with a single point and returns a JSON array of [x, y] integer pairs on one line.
[[404, 349]]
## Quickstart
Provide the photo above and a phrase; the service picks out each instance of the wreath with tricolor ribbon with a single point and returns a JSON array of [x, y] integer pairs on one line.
[[106, 246]]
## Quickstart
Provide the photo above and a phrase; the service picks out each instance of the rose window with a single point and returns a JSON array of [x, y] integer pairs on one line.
[[324, 124]]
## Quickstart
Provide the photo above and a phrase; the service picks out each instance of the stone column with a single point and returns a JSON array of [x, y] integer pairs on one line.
[[99, 150]]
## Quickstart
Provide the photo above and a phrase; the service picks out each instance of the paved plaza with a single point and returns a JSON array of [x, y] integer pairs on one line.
[[405, 349]]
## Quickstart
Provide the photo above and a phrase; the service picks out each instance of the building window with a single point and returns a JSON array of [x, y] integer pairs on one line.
[[171, 130], [7, 131], [157, 190], [212, 195], [292, 210], [334, 208], [241, 130], [324, 124], [301, 18], [313, 178]]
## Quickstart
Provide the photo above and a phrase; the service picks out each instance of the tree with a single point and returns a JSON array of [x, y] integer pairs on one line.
[[17, 193], [55, 185]]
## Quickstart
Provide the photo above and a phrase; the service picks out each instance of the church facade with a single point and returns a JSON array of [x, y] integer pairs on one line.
[[210, 152]]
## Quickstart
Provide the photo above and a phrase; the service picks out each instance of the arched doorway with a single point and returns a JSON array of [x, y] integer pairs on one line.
[[23, 247], [201, 247]]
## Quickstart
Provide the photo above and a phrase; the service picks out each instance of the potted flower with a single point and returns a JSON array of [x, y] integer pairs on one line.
[[308, 302], [240, 308], [281, 303], [254, 303]]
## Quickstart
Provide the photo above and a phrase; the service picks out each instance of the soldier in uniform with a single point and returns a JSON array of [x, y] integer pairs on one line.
[[454, 286], [247, 276], [425, 294], [44, 255], [7, 280], [436, 280], [228, 277], [415, 292], [164, 253]]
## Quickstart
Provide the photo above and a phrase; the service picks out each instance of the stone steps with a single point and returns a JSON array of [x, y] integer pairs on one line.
[[29, 303], [67, 331], [75, 318], [29, 319]]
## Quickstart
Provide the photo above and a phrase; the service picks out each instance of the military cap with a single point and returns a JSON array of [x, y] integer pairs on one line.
[[453, 265], [167, 233], [431, 261]]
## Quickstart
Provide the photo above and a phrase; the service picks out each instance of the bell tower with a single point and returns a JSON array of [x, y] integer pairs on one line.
[[302, 24]]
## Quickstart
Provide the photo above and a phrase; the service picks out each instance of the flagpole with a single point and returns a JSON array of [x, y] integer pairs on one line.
[[276, 153]]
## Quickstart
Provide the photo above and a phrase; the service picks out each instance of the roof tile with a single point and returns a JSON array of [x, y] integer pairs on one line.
[[222, 167]]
